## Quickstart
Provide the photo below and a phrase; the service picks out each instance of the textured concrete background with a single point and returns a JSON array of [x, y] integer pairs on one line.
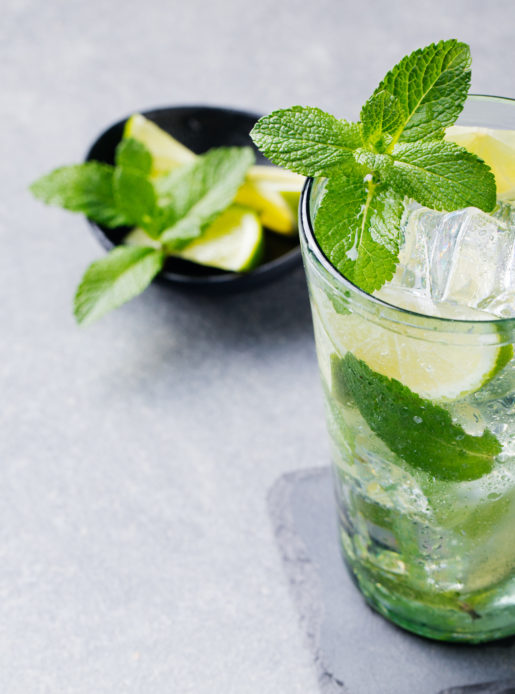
[[136, 555]]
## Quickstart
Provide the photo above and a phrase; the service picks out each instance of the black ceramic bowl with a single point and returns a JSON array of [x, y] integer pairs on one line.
[[200, 128]]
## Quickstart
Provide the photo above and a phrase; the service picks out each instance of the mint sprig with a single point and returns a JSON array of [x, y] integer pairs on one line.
[[395, 151], [172, 210], [418, 431]]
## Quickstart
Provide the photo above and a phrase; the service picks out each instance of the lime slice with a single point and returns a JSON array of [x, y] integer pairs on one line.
[[434, 370], [233, 242], [167, 152], [267, 189], [495, 147]]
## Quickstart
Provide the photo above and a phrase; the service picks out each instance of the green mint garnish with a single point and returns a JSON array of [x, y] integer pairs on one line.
[[307, 140], [85, 188], [431, 86], [132, 154], [118, 277], [381, 117], [418, 431], [193, 195], [134, 193], [396, 151], [441, 175], [136, 199], [368, 254], [172, 210]]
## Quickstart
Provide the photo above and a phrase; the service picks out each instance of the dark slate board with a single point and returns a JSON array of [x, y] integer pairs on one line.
[[356, 650]]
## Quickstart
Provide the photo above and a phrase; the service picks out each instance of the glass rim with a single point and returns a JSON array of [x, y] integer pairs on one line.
[[306, 228]]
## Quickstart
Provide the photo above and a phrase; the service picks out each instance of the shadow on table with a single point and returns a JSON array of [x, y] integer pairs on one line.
[[185, 338], [279, 310]]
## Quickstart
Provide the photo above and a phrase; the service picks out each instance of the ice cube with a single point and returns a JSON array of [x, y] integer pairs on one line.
[[465, 258]]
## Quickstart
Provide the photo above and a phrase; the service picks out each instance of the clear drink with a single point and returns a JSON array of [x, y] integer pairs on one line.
[[426, 518]]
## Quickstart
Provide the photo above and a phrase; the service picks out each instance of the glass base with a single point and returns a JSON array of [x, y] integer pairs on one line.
[[443, 617]]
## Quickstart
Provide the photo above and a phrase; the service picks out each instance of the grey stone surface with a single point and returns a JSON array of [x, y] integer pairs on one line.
[[356, 650], [504, 687], [136, 554]]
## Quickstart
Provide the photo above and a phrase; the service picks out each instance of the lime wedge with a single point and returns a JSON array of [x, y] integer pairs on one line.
[[234, 241], [432, 369], [267, 189], [167, 152], [272, 208], [495, 147], [275, 194]]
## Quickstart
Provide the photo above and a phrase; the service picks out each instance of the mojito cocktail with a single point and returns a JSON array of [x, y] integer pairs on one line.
[[421, 417], [407, 229]]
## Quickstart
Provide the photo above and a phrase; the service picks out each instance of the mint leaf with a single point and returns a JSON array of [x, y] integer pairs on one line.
[[358, 229], [431, 85], [441, 175], [111, 281], [192, 196], [380, 116], [136, 199], [132, 154], [86, 188], [418, 431], [307, 140]]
